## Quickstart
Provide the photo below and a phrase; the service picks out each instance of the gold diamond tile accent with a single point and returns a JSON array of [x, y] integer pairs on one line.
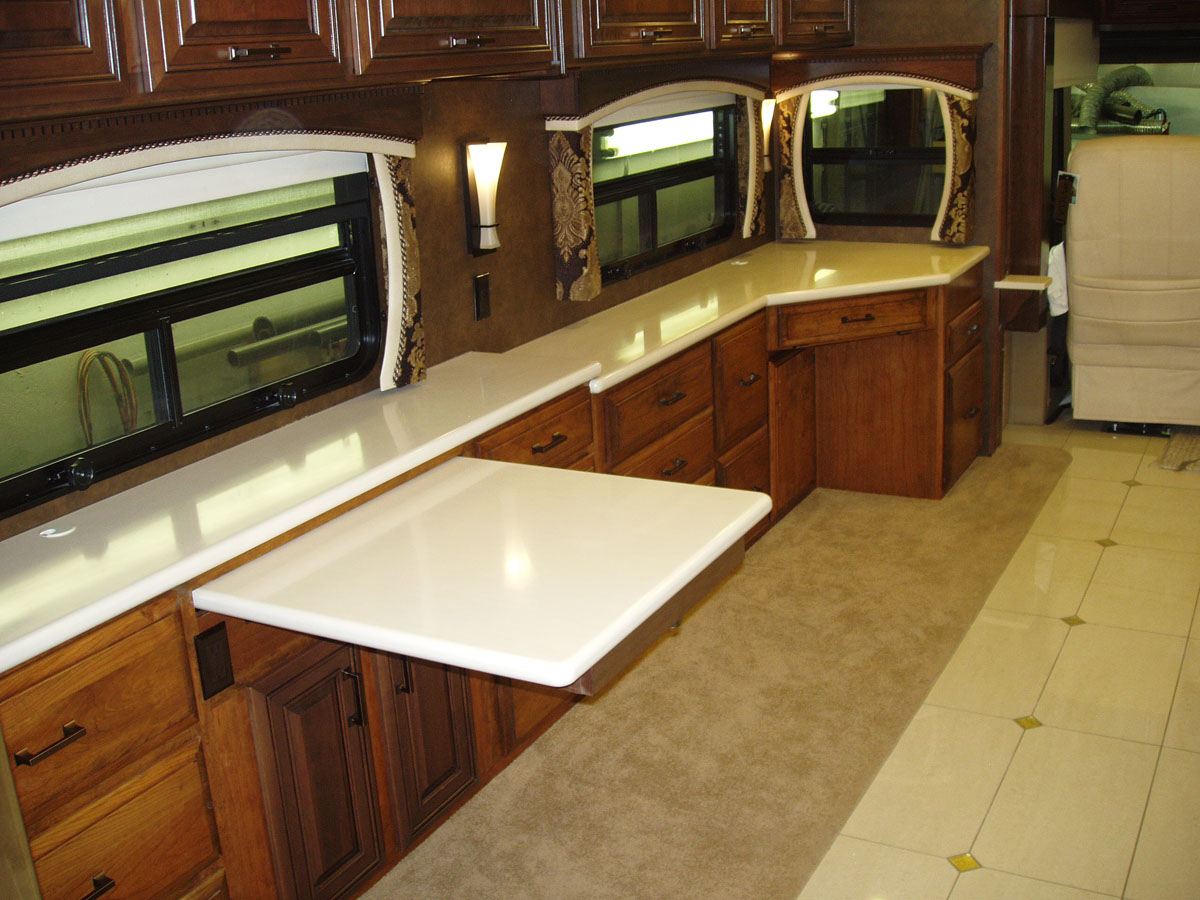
[[1073, 620], [1028, 722], [1132, 482], [965, 862], [1107, 543]]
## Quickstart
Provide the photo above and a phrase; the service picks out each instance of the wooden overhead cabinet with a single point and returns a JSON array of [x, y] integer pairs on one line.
[[440, 37], [743, 24], [195, 46], [817, 23], [619, 28], [61, 54]]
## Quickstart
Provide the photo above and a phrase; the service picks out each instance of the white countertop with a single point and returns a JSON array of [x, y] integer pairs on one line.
[[498, 567], [639, 333], [115, 554], [108, 557]]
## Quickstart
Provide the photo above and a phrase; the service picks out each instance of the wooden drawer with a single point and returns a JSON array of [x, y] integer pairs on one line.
[[212, 887], [740, 380], [659, 400], [75, 726], [747, 466], [964, 421], [964, 332], [150, 837], [849, 319], [555, 434], [684, 456]]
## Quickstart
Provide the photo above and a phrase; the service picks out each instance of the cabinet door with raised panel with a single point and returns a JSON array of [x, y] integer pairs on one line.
[[426, 708], [199, 46], [634, 27], [817, 22], [743, 24], [450, 37], [58, 53], [310, 722]]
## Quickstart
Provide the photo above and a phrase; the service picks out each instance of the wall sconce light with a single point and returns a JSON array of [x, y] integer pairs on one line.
[[768, 115], [483, 161]]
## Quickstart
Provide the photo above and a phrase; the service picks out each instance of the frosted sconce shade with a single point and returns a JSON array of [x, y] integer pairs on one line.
[[483, 178], [768, 114]]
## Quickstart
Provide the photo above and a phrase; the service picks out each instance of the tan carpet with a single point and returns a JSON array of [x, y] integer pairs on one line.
[[725, 762]]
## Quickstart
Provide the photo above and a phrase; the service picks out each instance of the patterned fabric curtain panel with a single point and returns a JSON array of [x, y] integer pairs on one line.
[[750, 146], [794, 224], [576, 253], [404, 342], [956, 218]]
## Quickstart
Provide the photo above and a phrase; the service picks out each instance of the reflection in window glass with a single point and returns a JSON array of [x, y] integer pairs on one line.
[[78, 400], [662, 187], [875, 154], [234, 351]]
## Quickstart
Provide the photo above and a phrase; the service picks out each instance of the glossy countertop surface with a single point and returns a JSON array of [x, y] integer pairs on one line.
[[59, 580], [493, 566], [641, 332]]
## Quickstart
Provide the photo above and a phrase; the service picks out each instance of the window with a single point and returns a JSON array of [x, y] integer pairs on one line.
[[874, 155], [122, 340], [662, 186]]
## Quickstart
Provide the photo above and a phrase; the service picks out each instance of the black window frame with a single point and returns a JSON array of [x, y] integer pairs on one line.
[[644, 186], [883, 156], [154, 313]]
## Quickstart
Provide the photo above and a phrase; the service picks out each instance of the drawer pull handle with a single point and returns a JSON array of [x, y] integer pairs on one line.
[[653, 34], [971, 413], [974, 329], [746, 382], [404, 686], [477, 41], [555, 439], [672, 400], [72, 732], [101, 884], [847, 320], [274, 51], [678, 465], [355, 718], [820, 28], [747, 31]]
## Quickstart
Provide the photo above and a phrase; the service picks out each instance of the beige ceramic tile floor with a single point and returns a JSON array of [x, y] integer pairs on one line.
[[1058, 755]]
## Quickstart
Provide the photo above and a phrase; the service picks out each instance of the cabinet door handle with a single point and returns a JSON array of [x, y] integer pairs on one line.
[[72, 732], [678, 465], [971, 413], [273, 51], [653, 34], [478, 41], [746, 382], [357, 717], [747, 31], [404, 686], [974, 329], [555, 439], [101, 884], [847, 320], [821, 27], [672, 400]]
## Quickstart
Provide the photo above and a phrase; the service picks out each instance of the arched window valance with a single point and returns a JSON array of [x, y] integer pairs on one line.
[[404, 342], [955, 218], [576, 255]]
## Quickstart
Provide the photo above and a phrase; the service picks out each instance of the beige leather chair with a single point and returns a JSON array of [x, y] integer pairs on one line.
[[1133, 279]]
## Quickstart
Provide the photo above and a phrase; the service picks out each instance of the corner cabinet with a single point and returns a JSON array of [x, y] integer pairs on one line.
[[310, 718], [898, 384], [444, 37], [206, 45]]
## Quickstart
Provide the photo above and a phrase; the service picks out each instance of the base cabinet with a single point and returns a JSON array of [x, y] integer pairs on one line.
[[426, 711], [309, 718]]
